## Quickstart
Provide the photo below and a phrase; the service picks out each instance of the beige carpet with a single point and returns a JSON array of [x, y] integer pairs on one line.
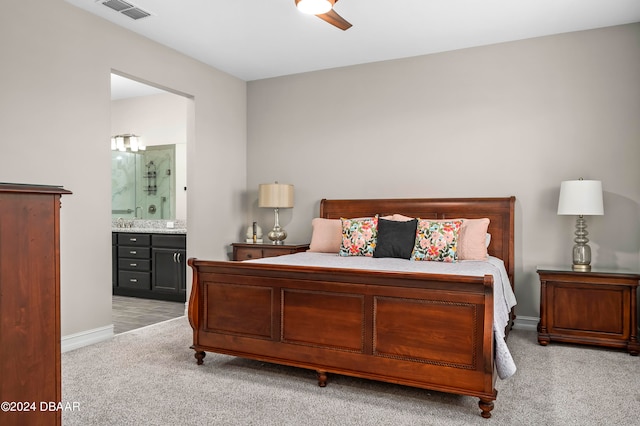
[[150, 377]]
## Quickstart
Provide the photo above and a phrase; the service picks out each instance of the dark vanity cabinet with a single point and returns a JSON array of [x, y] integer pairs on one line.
[[151, 266], [134, 264], [114, 259], [169, 260]]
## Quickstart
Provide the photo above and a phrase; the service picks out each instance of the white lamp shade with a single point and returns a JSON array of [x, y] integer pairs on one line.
[[314, 7], [581, 197], [275, 195]]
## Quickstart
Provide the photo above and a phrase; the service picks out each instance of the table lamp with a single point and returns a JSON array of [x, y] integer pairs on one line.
[[276, 196], [581, 198]]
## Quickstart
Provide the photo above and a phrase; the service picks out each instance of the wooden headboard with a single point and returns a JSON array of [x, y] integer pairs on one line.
[[500, 212]]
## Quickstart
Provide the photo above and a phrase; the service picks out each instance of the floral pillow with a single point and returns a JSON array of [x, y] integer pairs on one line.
[[359, 236], [436, 241]]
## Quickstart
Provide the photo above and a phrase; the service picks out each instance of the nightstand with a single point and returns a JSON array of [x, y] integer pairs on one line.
[[593, 308], [246, 251]]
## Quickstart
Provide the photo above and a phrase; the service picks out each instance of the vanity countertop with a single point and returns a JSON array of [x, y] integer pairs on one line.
[[150, 230], [141, 226]]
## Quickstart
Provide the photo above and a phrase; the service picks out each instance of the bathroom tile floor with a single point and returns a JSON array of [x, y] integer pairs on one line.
[[130, 313]]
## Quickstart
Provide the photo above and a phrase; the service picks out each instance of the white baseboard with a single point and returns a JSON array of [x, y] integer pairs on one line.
[[531, 323], [85, 338], [526, 323]]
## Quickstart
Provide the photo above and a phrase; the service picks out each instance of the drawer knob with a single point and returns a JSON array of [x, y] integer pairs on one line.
[[249, 255], [133, 252], [133, 264], [133, 280], [133, 239]]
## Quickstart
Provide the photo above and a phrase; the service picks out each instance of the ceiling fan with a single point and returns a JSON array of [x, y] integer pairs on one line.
[[323, 9]]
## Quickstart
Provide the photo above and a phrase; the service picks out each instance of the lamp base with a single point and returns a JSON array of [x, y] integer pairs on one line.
[[277, 236], [581, 250], [581, 268]]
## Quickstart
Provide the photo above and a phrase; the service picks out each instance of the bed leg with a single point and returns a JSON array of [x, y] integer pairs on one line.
[[486, 405], [200, 356], [322, 378]]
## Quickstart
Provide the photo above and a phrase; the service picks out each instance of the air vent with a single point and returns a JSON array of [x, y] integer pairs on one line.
[[125, 8], [135, 13]]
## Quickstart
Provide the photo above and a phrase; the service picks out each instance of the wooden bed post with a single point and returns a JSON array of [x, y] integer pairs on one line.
[[194, 310], [486, 404]]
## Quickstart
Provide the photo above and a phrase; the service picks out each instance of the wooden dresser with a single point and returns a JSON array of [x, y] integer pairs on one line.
[[30, 304]]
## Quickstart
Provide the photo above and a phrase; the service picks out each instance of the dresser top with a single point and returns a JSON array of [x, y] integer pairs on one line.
[[40, 189], [593, 271]]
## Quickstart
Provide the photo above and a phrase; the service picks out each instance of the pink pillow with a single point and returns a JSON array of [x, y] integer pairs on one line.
[[472, 242], [401, 218], [326, 236]]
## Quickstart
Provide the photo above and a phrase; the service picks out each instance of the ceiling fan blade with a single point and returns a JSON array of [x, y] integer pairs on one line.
[[334, 19]]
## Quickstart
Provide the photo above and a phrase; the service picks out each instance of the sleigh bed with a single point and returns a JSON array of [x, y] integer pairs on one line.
[[442, 329]]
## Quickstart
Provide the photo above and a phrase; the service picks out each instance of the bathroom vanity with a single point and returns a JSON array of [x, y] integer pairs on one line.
[[149, 264]]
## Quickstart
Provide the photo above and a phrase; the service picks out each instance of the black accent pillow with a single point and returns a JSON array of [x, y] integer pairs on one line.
[[395, 239]]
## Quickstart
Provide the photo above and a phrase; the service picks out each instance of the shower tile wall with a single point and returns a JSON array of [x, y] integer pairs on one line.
[[131, 184], [123, 184], [156, 204]]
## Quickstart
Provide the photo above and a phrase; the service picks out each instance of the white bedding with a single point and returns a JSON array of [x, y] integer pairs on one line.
[[503, 297]]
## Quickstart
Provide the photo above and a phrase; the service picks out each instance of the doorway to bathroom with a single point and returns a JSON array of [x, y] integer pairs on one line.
[[148, 199]]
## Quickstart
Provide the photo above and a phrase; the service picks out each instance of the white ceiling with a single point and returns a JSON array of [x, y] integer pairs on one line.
[[256, 39]]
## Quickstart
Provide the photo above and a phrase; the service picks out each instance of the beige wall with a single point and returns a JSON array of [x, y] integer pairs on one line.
[[55, 121], [509, 119]]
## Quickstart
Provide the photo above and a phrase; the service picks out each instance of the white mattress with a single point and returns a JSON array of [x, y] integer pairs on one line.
[[503, 296]]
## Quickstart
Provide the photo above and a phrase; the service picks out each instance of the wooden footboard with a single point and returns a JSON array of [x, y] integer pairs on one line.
[[426, 331]]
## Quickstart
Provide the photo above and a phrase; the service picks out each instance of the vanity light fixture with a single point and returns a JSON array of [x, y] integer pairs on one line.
[[581, 198], [127, 142]]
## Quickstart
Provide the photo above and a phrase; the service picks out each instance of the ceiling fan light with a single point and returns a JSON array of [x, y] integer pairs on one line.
[[314, 7]]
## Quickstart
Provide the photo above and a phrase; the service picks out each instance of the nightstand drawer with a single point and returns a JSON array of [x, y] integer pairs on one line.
[[248, 254], [247, 251]]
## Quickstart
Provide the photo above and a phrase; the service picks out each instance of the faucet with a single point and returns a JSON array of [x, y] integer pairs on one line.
[[120, 222]]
